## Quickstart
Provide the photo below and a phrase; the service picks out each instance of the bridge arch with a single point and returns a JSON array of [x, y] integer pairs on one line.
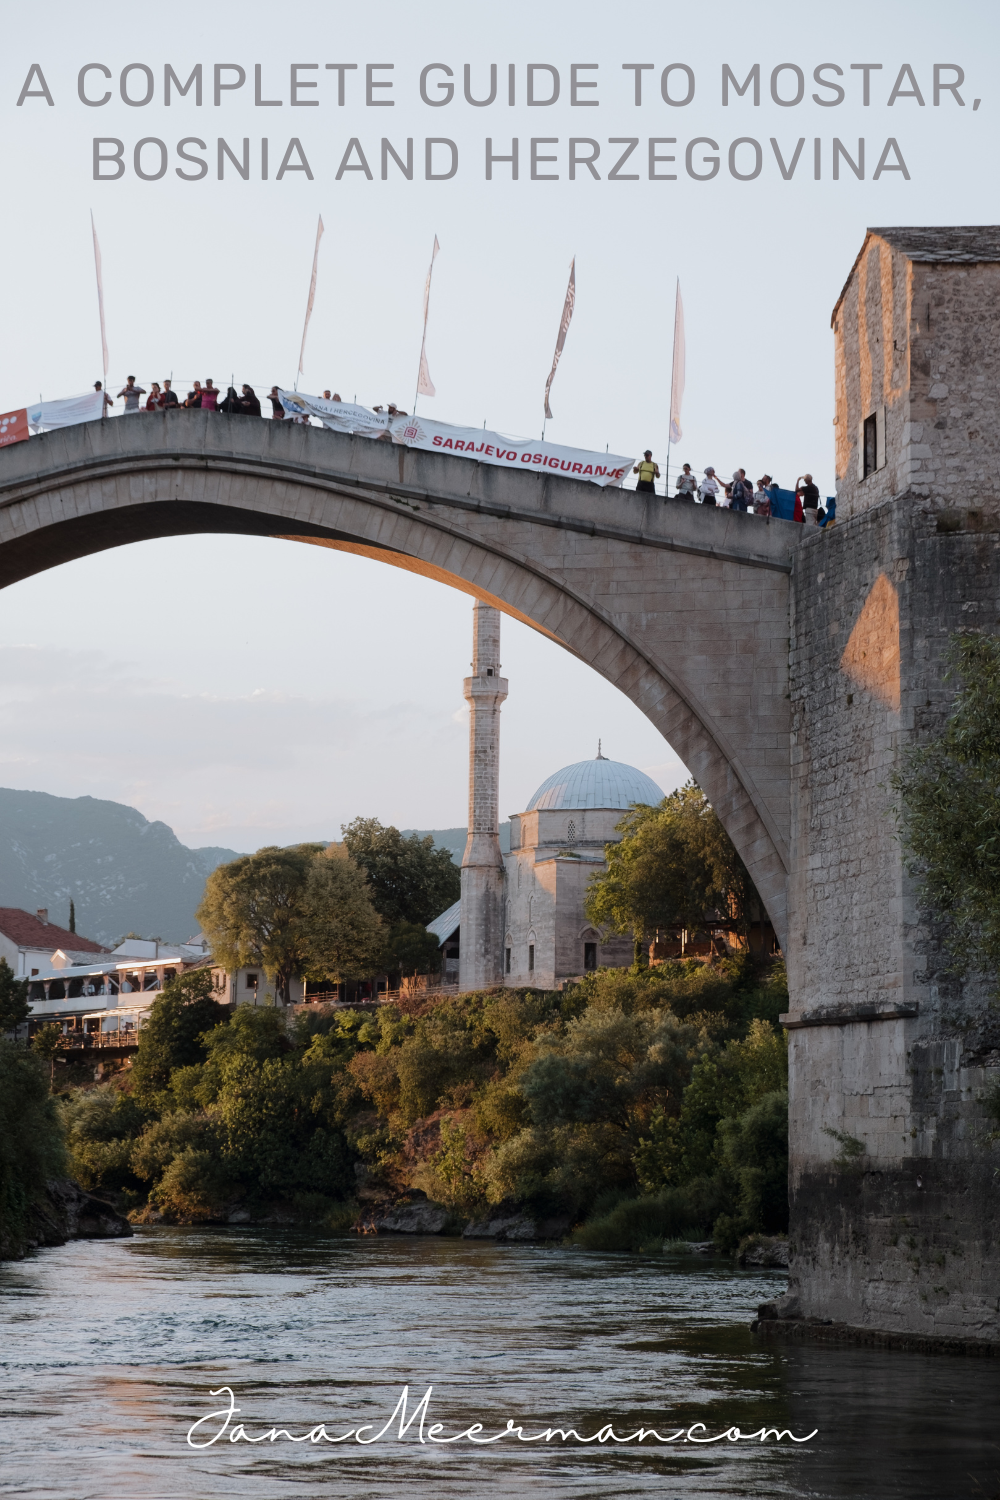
[[685, 610]]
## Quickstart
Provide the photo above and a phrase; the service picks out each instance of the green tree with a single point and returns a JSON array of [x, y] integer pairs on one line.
[[14, 1007], [293, 912], [675, 867], [411, 949], [410, 880], [949, 791], [344, 932], [31, 1143], [172, 1035], [46, 1043]]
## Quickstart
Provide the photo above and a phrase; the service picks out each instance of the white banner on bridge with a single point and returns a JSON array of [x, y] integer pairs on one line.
[[522, 453], [339, 416], [605, 469], [67, 413]]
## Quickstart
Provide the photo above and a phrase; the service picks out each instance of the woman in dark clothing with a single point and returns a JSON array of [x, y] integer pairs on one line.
[[232, 403], [250, 405]]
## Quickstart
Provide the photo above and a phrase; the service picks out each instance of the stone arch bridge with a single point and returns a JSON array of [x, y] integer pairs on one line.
[[685, 609]]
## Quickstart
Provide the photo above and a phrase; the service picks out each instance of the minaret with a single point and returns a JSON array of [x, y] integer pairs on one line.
[[481, 943]]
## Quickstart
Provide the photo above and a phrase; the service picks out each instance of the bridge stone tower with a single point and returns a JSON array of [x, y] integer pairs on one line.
[[480, 962], [895, 1208]]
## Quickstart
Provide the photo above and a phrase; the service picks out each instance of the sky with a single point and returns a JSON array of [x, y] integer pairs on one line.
[[252, 691]]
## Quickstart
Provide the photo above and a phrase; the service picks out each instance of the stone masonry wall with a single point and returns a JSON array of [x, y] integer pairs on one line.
[[895, 1196], [922, 339]]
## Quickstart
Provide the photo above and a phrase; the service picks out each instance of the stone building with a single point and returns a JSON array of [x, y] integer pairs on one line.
[[556, 845], [895, 1218], [521, 918]]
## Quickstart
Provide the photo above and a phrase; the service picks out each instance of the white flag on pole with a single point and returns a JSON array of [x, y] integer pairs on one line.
[[425, 385], [100, 297], [677, 373], [312, 291], [564, 322]]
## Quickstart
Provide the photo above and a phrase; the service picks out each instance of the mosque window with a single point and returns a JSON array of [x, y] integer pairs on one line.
[[531, 958], [506, 960], [571, 831], [590, 956]]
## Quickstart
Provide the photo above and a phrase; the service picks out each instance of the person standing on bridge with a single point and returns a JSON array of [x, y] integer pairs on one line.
[[277, 410], [647, 472], [741, 492], [762, 498], [709, 487], [249, 402], [131, 392], [209, 396], [194, 397], [687, 484], [98, 386], [169, 396], [808, 493]]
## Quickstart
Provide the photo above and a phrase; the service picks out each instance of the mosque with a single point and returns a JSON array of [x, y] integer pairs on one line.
[[520, 919]]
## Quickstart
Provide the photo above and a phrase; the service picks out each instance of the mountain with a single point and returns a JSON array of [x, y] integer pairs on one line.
[[453, 839], [122, 872]]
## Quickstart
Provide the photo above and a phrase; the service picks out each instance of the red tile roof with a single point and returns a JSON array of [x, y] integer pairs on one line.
[[27, 931]]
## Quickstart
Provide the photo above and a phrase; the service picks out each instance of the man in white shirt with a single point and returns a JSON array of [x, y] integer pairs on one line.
[[131, 392]]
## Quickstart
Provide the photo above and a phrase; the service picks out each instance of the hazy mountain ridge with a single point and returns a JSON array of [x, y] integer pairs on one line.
[[453, 839], [122, 872]]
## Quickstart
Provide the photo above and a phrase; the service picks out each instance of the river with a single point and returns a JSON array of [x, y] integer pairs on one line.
[[109, 1351]]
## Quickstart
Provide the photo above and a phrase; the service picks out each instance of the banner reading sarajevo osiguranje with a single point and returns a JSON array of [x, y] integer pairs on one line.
[[605, 469]]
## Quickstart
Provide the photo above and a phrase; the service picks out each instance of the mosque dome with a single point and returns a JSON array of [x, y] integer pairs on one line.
[[595, 783]]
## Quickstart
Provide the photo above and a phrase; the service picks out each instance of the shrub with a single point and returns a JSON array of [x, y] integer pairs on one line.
[[31, 1143], [172, 1035], [635, 1224], [194, 1186], [755, 1151]]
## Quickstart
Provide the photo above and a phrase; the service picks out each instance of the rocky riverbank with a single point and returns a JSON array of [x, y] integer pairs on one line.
[[65, 1212]]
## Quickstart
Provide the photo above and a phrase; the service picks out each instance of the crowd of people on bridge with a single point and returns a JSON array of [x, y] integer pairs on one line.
[[207, 397], [737, 493]]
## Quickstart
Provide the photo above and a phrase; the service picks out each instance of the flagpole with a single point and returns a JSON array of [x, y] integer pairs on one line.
[[673, 345], [100, 309], [424, 381], [564, 322], [673, 389], [311, 298]]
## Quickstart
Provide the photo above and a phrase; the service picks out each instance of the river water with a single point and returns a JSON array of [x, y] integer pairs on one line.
[[109, 1351]]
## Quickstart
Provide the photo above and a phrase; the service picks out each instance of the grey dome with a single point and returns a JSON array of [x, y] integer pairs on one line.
[[595, 783]]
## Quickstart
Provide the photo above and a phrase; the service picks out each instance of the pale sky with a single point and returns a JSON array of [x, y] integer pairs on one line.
[[250, 691]]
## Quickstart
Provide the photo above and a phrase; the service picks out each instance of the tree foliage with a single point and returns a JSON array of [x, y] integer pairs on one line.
[[409, 880], [675, 867], [411, 949], [172, 1035], [949, 792], [31, 1142], [14, 1007], [294, 912]]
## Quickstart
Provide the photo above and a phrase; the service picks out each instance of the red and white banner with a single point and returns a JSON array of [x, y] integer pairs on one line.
[[605, 469], [509, 453], [14, 427]]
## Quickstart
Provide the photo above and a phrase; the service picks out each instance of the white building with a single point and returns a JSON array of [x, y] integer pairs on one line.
[[28, 941]]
